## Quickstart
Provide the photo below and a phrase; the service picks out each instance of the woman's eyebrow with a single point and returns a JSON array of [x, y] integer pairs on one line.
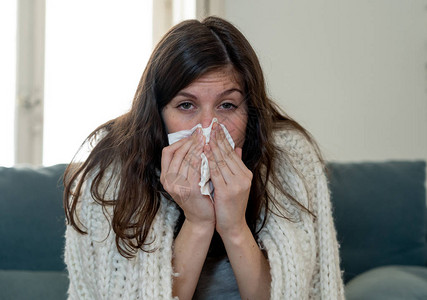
[[228, 92], [187, 95], [220, 95]]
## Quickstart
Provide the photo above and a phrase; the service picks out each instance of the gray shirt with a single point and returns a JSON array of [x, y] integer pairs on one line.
[[217, 281]]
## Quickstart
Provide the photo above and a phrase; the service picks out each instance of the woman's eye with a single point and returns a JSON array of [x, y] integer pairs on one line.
[[228, 106], [185, 105]]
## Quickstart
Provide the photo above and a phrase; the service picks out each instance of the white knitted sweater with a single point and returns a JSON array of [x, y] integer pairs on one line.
[[303, 254]]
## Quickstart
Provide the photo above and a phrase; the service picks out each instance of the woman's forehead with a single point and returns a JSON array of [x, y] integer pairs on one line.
[[225, 75]]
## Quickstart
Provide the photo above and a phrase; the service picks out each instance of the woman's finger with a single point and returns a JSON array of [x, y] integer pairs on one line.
[[168, 152], [239, 152], [230, 156], [215, 171], [193, 155], [179, 154], [193, 175]]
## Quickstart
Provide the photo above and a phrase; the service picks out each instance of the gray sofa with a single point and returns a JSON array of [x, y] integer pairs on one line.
[[379, 209], [381, 220], [32, 230]]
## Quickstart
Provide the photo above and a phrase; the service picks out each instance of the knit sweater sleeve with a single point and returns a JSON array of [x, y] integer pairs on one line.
[[86, 255], [98, 271], [302, 249]]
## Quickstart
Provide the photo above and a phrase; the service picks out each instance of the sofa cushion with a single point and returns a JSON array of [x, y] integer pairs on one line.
[[46, 285], [388, 283], [32, 223], [380, 214]]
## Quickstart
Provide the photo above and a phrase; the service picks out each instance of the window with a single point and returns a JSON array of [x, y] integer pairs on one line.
[[7, 79], [77, 65], [95, 54]]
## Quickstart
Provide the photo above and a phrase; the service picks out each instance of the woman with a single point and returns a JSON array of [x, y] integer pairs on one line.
[[139, 226]]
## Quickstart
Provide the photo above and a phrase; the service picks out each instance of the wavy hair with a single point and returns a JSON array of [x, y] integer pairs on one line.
[[132, 143]]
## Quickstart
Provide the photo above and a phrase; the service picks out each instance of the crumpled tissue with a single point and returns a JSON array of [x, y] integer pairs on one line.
[[206, 186]]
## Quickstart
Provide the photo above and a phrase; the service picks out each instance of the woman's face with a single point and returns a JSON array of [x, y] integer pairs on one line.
[[217, 94]]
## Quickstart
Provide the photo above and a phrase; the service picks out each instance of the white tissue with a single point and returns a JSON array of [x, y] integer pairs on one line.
[[206, 186]]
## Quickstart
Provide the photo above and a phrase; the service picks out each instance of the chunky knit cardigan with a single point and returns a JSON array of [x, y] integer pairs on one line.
[[302, 253]]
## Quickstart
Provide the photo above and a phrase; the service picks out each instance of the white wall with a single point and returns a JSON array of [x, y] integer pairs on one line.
[[354, 73]]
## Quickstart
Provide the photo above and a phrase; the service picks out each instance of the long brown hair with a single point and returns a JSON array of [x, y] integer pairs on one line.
[[132, 143]]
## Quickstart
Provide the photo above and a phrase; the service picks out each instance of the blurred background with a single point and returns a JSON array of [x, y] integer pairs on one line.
[[354, 73]]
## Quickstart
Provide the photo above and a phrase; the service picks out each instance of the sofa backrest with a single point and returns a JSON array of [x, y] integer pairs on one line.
[[380, 214], [379, 210], [32, 222]]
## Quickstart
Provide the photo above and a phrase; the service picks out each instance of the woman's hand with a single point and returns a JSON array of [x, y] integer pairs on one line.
[[180, 177], [232, 182]]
